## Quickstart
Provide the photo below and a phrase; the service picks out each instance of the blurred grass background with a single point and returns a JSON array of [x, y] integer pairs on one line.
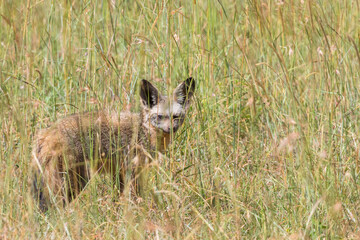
[[270, 148]]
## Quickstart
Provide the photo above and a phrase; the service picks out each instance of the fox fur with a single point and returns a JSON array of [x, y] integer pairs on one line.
[[66, 154]]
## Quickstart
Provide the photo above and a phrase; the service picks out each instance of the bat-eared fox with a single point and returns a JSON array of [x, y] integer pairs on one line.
[[66, 154]]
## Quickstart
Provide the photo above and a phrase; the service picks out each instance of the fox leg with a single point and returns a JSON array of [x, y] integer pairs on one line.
[[47, 182], [59, 182], [137, 177], [38, 191], [75, 180]]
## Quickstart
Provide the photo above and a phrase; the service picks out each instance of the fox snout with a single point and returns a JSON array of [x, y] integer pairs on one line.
[[170, 129]]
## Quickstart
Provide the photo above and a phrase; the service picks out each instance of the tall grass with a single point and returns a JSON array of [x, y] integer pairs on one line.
[[270, 148]]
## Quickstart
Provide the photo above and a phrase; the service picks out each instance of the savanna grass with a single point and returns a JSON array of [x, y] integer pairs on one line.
[[270, 148]]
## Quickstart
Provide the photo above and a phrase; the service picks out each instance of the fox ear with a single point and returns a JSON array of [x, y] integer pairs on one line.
[[184, 91], [149, 94]]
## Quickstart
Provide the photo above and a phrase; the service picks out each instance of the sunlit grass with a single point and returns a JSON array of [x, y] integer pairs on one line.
[[270, 148]]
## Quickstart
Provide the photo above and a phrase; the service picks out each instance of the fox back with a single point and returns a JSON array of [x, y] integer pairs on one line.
[[70, 151]]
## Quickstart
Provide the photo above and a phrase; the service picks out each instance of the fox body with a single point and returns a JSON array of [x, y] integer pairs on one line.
[[66, 154]]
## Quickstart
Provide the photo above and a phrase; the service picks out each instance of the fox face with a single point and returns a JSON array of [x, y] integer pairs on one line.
[[166, 113]]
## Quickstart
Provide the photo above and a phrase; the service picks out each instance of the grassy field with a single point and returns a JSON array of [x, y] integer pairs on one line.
[[270, 148]]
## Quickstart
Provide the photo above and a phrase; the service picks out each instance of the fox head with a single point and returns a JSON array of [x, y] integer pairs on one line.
[[166, 113]]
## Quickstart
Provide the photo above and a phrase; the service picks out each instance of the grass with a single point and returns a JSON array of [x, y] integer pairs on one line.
[[270, 148]]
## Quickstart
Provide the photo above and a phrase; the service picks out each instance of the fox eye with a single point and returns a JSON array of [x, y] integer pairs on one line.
[[160, 117], [176, 116]]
